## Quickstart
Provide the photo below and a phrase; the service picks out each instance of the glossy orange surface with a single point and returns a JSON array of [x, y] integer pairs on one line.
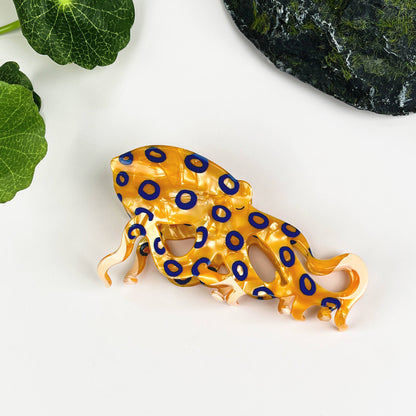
[[174, 194]]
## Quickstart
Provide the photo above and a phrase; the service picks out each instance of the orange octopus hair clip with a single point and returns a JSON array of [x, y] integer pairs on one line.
[[174, 194]]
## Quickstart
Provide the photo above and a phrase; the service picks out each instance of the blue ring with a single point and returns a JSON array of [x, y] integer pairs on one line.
[[262, 289], [140, 210], [335, 301], [122, 179], [244, 274], [291, 261], [192, 167], [230, 245], [136, 227], [120, 197], [289, 233], [186, 205], [255, 224], [173, 263], [216, 217], [149, 197], [142, 249], [158, 250], [162, 155], [302, 285], [202, 260], [226, 189], [204, 232], [126, 158], [183, 281]]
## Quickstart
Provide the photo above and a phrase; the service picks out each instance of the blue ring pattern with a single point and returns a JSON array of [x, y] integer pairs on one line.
[[162, 155], [226, 189], [264, 289], [120, 197], [255, 224], [149, 197], [183, 281], [126, 158], [302, 284], [170, 272], [185, 205], [159, 250], [122, 179], [192, 167], [136, 227], [204, 232], [240, 276], [289, 233], [216, 217], [230, 244], [202, 260], [291, 261], [149, 214], [336, 302]]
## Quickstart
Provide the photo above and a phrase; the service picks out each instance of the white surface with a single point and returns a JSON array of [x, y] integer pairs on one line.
[[344, 177]]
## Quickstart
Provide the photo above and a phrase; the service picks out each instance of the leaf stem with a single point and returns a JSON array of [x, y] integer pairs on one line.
[[11, 26]]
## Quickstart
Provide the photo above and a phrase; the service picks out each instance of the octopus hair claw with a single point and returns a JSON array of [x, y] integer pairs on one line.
[[174, 194]]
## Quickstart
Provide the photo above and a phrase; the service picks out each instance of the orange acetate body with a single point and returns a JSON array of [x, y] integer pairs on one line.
[[174, 194]]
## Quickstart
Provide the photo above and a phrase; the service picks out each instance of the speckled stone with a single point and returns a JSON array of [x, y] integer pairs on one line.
[[362, 52]]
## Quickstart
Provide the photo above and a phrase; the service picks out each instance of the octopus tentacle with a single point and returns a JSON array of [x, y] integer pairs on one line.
[[357, 272], [140, 259], [228, 289], [293, 282], [128, 240]]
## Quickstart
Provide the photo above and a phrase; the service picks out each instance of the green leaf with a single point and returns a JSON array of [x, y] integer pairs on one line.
[[86, 32], [22, 139], [10, 73]]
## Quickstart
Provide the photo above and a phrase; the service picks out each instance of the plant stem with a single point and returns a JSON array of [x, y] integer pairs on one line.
[[8, 28]]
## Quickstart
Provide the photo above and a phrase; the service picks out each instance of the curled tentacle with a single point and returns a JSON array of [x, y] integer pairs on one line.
[[140, 259], [128, 239], [344, 300], [296, 288]]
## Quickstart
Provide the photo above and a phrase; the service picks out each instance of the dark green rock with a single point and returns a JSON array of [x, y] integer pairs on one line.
[[362, 52]]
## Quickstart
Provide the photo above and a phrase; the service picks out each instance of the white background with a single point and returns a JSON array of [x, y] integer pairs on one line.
[[69, 346]]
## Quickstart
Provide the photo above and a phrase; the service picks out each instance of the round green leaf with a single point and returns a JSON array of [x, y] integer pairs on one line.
[[10, 73], [86, 32], [22, 139]]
